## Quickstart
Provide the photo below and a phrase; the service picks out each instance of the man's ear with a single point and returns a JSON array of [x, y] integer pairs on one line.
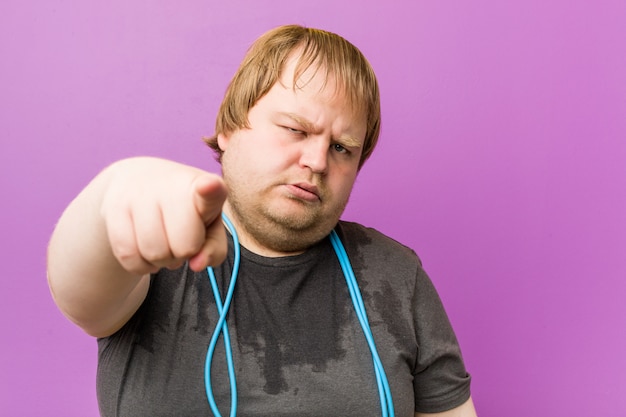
[[222, 141]]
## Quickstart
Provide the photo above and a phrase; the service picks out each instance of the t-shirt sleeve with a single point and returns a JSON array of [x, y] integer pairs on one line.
[[441, 381]]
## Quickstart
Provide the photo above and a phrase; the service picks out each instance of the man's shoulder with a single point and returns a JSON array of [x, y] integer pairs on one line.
[[363, 238], [368, 235]]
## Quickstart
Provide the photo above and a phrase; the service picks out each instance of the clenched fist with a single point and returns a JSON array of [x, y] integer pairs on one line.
[[159, 213], [135, 217]]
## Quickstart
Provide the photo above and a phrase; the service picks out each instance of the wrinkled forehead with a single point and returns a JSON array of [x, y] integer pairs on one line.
[[300, 71]]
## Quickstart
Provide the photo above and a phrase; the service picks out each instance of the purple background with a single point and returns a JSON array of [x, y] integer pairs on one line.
[[502, 161]]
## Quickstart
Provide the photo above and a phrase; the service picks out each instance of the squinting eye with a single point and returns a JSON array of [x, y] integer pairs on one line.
[[339, 148], [295, 131]]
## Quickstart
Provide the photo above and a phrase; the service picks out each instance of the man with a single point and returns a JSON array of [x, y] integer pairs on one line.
[[127, 260]]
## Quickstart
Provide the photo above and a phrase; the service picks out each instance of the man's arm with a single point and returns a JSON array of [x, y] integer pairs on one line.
[[464, 410], [135, 217]]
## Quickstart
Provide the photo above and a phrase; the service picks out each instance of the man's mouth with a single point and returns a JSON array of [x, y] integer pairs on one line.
[[305, 191]]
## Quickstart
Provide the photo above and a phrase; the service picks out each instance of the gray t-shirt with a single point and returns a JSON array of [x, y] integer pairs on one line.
[[298, 347]]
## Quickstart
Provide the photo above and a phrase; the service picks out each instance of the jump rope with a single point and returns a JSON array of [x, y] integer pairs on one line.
[[384, 392]]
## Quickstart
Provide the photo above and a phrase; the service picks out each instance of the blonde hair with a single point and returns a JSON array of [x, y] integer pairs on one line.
[[263, 65]]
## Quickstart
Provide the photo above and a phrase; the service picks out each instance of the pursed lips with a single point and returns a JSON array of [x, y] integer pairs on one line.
[[305, 191]]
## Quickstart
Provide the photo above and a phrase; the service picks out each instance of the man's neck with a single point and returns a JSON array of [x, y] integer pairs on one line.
[[249, 242]]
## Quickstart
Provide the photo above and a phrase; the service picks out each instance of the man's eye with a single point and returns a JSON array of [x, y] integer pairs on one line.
[[337, 147], [294, 130]]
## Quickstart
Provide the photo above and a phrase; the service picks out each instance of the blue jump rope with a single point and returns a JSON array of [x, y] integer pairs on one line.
[[384, 391]]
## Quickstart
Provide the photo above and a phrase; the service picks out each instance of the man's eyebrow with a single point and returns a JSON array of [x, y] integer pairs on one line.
[[345, 140], [349, 141], [302, 122]]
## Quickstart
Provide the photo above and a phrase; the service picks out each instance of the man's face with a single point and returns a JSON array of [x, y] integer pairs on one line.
[[290, 174]]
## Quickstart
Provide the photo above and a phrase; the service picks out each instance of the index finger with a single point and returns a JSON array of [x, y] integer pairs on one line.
[[209, 194]]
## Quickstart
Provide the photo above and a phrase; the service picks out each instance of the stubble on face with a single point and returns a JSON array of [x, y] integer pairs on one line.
[[272, 185], [291, 230]]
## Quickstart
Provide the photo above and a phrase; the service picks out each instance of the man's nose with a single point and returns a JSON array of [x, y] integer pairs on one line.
[[315, 154]]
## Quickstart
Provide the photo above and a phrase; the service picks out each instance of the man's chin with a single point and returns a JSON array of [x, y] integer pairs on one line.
[[301, 217], [296, 221]]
